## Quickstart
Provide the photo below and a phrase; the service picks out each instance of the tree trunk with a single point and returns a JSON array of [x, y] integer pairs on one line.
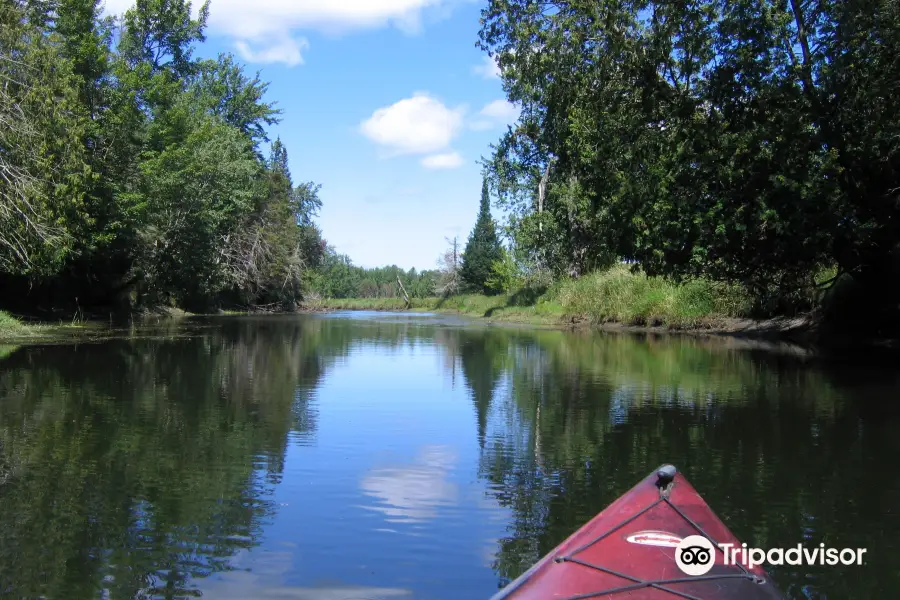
[[403, 291], [802, 37]]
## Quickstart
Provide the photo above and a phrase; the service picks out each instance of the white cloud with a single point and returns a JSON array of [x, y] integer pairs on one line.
[[267, 24], [288, 51], [448, 160], [417, 125], [489, 69], [501, 110], [495, 114]]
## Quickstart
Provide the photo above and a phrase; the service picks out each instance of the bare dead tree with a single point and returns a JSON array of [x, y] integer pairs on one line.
[[449, 280], [255, 261], [542, 192], [403, 291]]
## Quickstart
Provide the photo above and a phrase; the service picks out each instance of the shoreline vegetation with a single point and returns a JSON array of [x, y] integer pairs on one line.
[[619, 300], [801, 330], [612, 300]]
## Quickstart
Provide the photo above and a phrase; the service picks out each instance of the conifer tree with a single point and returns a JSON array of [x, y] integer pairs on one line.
[[483, 248]]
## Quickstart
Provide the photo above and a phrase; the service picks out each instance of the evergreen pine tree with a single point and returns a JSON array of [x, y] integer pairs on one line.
[[483, 248]]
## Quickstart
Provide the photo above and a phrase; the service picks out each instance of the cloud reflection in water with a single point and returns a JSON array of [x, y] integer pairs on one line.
[[413, 493]]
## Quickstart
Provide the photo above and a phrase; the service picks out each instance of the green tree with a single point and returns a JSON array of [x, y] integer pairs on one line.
[[132, 171], [43, 168], [727, 140], [337, 277], [194, 195], [222, 88], [506, 275], [161, 34], [276, 242], [483, 248]]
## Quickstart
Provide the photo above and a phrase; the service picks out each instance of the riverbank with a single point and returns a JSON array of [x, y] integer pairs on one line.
[[15, 331], [614, 295], [619, 300], [611, 300], [550, 314]]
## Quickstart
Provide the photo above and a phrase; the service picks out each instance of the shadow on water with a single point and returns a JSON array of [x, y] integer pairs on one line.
[[141, 467]]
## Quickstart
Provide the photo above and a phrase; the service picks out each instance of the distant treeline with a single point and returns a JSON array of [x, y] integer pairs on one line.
[[482, 267], [338, 277], [133, 173]]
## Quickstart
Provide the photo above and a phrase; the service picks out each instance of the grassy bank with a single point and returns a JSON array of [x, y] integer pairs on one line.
[[15, 330], [620, 296], [612, 296], [11, 327], [501, 308]]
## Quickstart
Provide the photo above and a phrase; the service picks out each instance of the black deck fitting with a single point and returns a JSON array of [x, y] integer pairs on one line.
[[665, 474]]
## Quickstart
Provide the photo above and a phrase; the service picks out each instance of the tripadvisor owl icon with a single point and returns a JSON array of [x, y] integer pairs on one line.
[[695, 555]]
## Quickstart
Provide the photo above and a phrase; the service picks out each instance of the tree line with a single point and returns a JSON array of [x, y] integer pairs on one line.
[[746, 141], [338, 277], [479, 267], [133, 173]]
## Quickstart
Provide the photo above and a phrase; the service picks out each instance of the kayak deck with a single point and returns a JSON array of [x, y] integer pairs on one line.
[[628, 551]]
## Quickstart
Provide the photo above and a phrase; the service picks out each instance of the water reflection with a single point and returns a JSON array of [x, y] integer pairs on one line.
[[136, 467], [412, 493], [289, 457]]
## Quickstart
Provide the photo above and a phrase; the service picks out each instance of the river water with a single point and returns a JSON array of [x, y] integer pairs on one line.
[[357, 456]]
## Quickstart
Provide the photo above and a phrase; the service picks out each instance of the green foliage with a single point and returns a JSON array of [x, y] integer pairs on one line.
[[744, 142], [85, 38], [483, 248], [133, 172], [338, 277], [193, 195], [619, 295], [276, 244], [9, 325], [43, 172], [161, 34], [616, 295], [221, 87], [506, 275]]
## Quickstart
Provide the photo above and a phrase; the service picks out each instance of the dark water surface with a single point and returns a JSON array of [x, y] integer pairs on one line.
[[351, 457]]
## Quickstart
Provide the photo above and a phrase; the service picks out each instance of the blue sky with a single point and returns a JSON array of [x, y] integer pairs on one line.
[[387, 103]]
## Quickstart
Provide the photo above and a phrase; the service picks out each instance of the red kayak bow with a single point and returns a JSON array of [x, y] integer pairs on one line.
[[629, 551]]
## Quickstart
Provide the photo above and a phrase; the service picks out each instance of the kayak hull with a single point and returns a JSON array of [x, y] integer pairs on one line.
[[629, 551]]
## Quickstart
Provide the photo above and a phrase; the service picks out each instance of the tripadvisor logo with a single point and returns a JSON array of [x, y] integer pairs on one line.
[[695, 555]]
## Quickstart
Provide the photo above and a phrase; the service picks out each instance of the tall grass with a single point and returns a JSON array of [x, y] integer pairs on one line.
[[618, 295], [11, 326]]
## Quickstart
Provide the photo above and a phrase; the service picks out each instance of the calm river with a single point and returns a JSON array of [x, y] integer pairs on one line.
[[366, 457]]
